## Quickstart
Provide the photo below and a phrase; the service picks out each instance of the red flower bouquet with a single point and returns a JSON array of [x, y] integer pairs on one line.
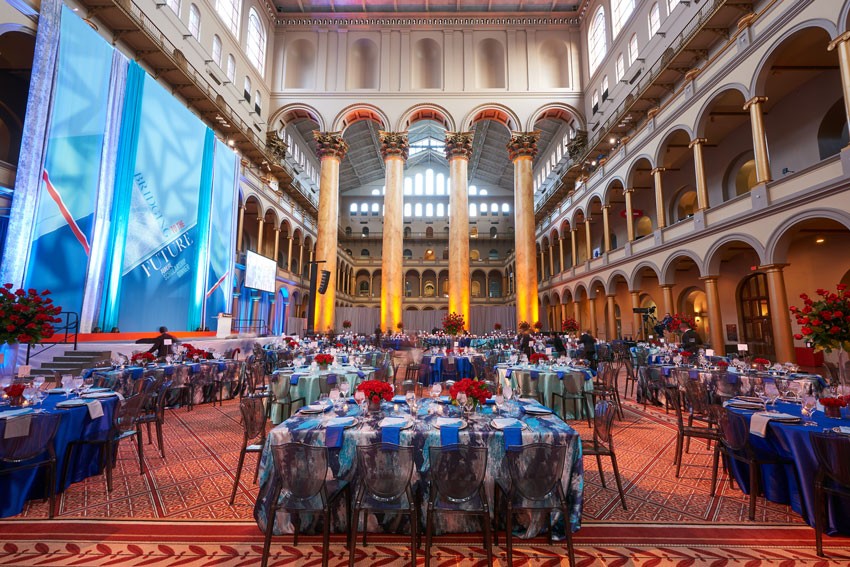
[[497, 326], [761, 361], [569, 325], [538, 325], [193, 353], [538, 357], [453, 323], [346, 324], [26, 317], [376, 391], [475, 391], [142, 358], [15, 390], [523, 326], [723, 364], [832, 406], [323, 359]]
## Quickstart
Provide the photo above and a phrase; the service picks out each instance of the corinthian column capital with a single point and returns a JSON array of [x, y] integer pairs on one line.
[[459, 144], [330, 144], [394, 144], [523, 144]]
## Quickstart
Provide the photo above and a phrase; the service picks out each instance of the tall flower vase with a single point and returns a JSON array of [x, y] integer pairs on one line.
[[842, 367], [9, 365]]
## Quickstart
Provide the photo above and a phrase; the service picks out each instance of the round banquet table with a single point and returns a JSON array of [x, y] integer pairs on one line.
[[549, 382], [18, 487], [791, 441], [438, 363], [312, 429], [305, 384]]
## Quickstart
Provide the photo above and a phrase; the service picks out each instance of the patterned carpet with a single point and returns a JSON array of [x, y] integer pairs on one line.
[[177, 513]]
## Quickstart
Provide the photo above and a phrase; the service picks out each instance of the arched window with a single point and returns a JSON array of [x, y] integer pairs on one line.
[[429, 209], [473, 210], [604, 87], [195, 21], [256, 41], [364, 208], [620, 12], [364, 252], [429, 181], [408, 254], [473, 190], [594, 100], [441, 184], [494, 254], [620, 68], [654, 19], [231, 67], [408, 210], [247, 89], [348, 233], [440, 211], [174, 5], [494, 209], [365, 231], [494, 232], [376, 208], [483, 192], [633, 49], [418, 186], [417, 210], [597, 40], [216, 50], [408, 186], [228, 11], [258, 102], [506, 209]]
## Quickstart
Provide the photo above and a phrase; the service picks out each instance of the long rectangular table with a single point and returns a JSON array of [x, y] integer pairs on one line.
[[310, 429]]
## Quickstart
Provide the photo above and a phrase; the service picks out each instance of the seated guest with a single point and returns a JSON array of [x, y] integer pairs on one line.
[[164, 344]]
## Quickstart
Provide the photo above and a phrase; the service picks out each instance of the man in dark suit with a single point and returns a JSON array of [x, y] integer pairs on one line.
[[691, 340], [525, 344], [164, 344]]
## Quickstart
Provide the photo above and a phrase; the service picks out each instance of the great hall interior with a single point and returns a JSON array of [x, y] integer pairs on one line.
[[650, 196]]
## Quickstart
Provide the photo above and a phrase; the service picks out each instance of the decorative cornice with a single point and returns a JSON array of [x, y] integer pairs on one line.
[[394, 144], [523, 144], [459, 144], [330, 144], [431, 22]]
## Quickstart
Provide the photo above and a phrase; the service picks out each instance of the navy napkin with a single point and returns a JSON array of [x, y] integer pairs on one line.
[[136, 372], [513, 437], [508, 372], [294, 379], [534, 374], [391, 434], [449, 435], [334, 433], [331, 379]]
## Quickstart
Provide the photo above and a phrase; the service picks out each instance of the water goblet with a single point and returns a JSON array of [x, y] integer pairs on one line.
[[78, 383], [360, 397], [808, 409], [436, 390], [508, 392], [29, 394], [66, 381], [37, 381], [499, 399], [344, 388], [772, 393]]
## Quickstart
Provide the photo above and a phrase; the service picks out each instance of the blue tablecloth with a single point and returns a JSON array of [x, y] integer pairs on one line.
[[439, 362], [17, 488], [791, 441]]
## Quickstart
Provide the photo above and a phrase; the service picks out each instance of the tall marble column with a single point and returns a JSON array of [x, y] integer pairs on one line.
[[842, 43], [522, 148], [715, 319], [667, 290], [659, 197], [331, 149], [458, 152], [637, 319], [612, 317], [606, 227], [260, 222], [561, 247], [699, 173], [239, 227], [780, 317], [630, 218], [394, 149], [591, 308], [754, 105], [276, 244], [588, 245], [573, 246], [289, 253]]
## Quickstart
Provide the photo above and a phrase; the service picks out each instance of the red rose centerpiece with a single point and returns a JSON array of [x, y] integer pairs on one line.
[[825, 323], [538, 325], [324, 359], [26, 317], [538, 357], [832, 406], [15, 393], [761, 363], [569, 325], [142, 358], [497, 326], [193, 353], [346, 324], [474, 392], [453, 323], [376, 391]]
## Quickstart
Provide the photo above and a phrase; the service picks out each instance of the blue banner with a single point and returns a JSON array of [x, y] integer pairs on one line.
[[158, 267], [222, 244], [63, 226]]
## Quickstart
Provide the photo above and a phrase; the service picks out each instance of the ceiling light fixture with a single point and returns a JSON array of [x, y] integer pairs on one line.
[[820, 240]]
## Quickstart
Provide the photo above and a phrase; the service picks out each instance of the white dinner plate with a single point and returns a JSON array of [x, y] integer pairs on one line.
[[501, 423], [537, 410], [314, 408], [401, 422], [441, 421]]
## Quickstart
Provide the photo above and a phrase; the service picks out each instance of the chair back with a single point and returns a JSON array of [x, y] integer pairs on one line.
[[385, 469], [527, 385], [723, 387], [696, 394], [411, 373], [833, 454], [606, 376], [536, 469], [42, 430], [161, 396], [573, 384], [255, 375], [603, 422], [408, 386], [300, 470], [630, 368], [734, 431], [253, 417], [674, 398], [382, 372], [283, 385], [458, 470], [327, 382], [127, 413]]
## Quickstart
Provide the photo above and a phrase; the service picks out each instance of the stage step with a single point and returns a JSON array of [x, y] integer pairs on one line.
[[72, 362]]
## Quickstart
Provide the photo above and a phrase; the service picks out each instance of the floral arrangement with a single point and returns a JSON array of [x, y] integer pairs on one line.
[[142, 358], [833, 402], [497, 326], [538, 325], [193, 353], [376, 390], [472, 389], [291, 343], [723, 364], [323, 358], [346, 324], [677, 320], [400, 326], [15, 390], [453, 323], [826, 321], [761, 361], [26, 317], [569, 325], [523, 326], [538, 357]]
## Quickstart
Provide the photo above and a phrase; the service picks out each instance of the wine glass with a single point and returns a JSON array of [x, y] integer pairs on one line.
[[78, 383], [334, 396], [29, 394], [66, 381], [436, 390], [360, 397], [508, 392], [410, 398], [772, 393], [500, 403], [344, 388], [808, 409], [758, 391], [37, 381]]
